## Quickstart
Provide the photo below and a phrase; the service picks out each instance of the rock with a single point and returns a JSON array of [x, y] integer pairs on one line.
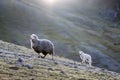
[[75, 66], [81, 79], [66, 64], [14, 68], [116, 43], [29, 66], [19, 64], [20, 60], [9, 63], [56, 63], [101, 78], [32, 79], [63, 72], [51, 75], [51, 69]]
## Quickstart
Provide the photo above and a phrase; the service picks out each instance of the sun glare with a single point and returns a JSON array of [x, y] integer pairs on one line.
[[50, 1]]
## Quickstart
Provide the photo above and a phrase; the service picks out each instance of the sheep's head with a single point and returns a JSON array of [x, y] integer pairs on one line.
[[33, 36], [80, 52], [33, 40]]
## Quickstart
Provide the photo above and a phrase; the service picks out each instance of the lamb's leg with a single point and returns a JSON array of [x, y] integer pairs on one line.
[[83, 61], [90, 62]]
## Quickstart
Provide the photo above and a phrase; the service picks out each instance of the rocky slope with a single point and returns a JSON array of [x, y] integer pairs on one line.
[[34, 68], [72, 25]]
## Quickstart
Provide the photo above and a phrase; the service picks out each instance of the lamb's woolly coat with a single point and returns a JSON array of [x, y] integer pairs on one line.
[[86, 58]]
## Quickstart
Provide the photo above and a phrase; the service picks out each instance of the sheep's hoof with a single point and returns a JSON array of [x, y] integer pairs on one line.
[[39, 56], [42, 57]]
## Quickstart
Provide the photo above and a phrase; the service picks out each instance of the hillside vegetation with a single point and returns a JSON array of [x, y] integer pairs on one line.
[[45, 69], [72, 25]]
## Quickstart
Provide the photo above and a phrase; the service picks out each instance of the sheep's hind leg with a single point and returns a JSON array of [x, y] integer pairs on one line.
[[52, 53], [52, 57]]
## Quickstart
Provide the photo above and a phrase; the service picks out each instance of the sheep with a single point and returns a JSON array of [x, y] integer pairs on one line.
[[86, 58], [43, 46]]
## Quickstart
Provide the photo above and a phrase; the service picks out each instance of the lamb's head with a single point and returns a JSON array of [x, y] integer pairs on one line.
[[33, 36], [80, 52]]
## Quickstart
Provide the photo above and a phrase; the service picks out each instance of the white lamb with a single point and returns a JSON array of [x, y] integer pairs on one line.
[[86, 58]]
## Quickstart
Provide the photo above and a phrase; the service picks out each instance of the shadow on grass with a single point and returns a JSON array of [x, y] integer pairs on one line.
[[14, 68]]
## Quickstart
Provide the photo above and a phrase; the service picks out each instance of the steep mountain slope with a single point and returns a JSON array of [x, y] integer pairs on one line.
[[71, 25], [34, 68]]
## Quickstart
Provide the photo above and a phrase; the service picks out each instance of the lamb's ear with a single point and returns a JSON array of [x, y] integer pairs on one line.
[[80, 52]]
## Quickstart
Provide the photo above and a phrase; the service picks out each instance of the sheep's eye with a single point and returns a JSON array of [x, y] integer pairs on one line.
[[33, 41]]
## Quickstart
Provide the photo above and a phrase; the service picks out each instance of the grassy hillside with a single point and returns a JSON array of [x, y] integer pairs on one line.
[[45, 69], [70, 25]]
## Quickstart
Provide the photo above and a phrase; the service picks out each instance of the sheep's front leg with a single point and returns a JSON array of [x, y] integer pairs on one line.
[[39, 56], [44, 55]]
